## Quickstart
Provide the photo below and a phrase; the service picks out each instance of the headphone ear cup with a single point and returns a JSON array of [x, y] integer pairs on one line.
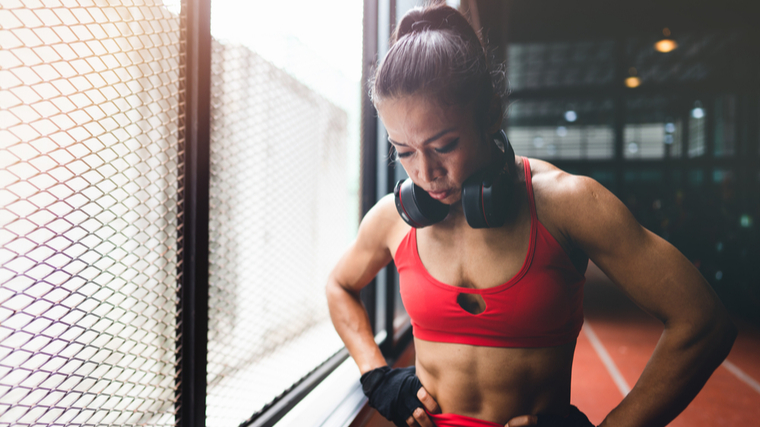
[[472, 201], [415, 205], [484, 200], [495, 199]]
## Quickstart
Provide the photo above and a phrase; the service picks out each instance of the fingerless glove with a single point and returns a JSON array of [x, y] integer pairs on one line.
[[393, 392], [574, 418]]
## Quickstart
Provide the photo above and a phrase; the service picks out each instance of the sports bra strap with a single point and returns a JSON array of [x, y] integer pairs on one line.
[[529, 185]]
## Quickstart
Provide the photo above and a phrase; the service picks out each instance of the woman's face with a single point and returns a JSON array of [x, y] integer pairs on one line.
[[438, 146]]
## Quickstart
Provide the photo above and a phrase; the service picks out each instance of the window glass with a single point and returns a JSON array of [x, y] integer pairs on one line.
[[284, 182], [559, 129], [653, 127], [725, 126], [644, 141], [697, 123]]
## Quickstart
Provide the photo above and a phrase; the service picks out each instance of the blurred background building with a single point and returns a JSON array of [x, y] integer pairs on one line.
[[658, 101]]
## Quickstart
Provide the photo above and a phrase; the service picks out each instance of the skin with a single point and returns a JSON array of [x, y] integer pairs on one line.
[[439, 147]]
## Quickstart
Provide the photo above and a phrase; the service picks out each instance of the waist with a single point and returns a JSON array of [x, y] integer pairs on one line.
[[495, 384]]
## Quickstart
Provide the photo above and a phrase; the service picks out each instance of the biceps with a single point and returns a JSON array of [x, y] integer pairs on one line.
[[653, 273], [659, 279]]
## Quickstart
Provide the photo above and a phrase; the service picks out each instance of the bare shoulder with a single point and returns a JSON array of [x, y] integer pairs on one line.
[[559, 186], [559, 194], [578, 206], [382, 227]]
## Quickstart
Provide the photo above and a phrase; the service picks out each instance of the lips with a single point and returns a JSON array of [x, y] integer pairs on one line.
[[439, 195]]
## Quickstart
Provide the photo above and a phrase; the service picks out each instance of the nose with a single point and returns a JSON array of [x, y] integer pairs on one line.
[[428, 170]]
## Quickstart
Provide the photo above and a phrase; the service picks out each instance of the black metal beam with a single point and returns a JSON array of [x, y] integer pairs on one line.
[[618, 114], [391, 275], [194, 212], [709, 106], [368, 149]]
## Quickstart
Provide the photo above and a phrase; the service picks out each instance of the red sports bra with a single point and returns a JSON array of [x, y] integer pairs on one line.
[[541, 306]]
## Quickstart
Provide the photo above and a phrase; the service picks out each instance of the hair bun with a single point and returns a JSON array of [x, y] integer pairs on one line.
[[421, 25], [441, 17], [437, 53]]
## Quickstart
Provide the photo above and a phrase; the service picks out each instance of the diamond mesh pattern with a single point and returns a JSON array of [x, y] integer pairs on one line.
[[278, 214], [88, 198]]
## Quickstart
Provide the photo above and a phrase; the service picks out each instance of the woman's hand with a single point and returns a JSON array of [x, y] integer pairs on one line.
[[420, 417]]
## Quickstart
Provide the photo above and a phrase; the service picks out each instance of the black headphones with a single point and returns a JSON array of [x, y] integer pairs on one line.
[[485, 195]]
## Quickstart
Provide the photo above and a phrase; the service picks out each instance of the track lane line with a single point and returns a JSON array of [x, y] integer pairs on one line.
[[741, 375], [613, 370]]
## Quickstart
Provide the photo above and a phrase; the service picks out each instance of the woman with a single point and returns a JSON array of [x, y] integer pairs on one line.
[[496, 310]]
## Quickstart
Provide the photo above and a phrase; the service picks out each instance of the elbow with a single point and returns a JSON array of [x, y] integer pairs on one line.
[[331, 288], [727, 335], [710, 335], [720, 334], [334, 291]]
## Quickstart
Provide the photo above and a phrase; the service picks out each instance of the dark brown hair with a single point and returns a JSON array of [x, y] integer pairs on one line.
[[436, 52]]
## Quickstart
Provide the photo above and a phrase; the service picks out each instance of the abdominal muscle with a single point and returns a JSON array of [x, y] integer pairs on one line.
[[495, 384]]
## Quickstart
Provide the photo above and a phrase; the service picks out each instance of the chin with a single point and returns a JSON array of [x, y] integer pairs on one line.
[[452, 199]]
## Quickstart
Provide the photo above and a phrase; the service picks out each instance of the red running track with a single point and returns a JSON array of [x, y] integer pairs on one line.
[[626, 337]]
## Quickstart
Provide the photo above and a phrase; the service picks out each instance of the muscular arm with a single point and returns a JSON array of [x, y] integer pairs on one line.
[[698, 333], [361, 262]]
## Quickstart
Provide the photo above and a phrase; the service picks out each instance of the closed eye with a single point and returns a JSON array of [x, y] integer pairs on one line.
[[448, 147], [403, 155]]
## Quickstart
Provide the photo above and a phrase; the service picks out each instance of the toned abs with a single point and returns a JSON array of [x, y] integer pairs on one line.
[[495, 384]]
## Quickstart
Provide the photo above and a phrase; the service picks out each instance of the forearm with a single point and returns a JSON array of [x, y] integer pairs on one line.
[[353, 326], [681, 364]]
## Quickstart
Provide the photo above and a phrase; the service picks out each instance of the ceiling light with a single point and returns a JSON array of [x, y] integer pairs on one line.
[[571, 116], [632, 81], [698, 113], [667, 44]]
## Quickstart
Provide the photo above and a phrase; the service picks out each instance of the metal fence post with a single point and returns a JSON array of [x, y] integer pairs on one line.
[[195, 96]]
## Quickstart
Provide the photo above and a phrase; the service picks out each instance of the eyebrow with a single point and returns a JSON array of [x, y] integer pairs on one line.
[[427, 141]]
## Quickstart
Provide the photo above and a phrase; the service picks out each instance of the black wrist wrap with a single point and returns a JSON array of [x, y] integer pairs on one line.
[[393, 392], [574, 418]]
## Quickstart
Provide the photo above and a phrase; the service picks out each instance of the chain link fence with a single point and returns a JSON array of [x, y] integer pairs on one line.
[[278, 213], [88, 212]]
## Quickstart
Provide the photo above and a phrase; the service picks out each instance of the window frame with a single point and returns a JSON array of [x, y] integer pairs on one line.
[[376, 180]]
